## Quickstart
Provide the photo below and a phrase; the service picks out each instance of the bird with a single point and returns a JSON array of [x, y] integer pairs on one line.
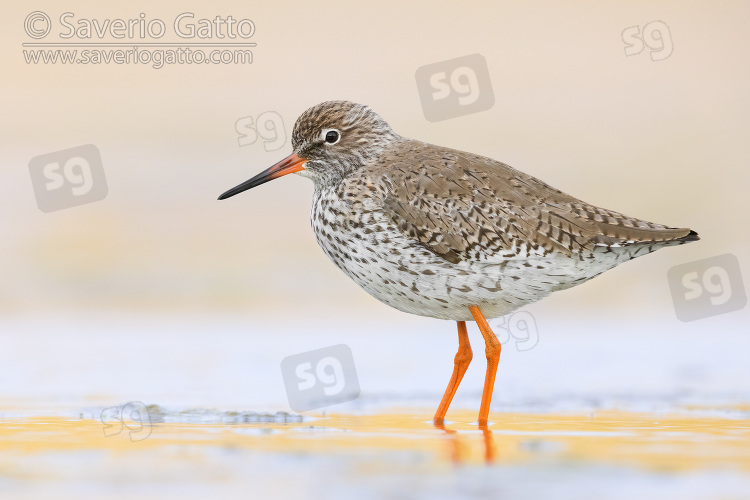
[[447, 234]]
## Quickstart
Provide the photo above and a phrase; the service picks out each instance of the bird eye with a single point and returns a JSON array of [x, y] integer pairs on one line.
[[331, 136]]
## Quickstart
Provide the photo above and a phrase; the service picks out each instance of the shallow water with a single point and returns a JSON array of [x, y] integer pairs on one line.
[[690, 453], [658, 412]]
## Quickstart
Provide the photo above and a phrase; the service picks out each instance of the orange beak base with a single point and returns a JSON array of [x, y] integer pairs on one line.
[[288, 165]]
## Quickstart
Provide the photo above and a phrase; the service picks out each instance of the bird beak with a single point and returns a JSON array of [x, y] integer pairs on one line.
[[288, 165]]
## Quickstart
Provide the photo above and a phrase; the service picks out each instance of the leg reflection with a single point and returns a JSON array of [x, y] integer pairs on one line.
[[458, 443], [489, 443]]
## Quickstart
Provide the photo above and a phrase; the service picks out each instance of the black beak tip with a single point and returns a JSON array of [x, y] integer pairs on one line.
[[232, 192]]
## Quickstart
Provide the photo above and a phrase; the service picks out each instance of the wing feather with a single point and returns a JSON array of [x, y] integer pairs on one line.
[[462, 206]]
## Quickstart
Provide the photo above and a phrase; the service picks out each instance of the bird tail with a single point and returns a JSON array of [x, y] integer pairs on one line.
[[650, 237], [691, 236]]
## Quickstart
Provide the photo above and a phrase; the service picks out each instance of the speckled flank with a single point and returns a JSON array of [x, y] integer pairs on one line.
[[430, 230]]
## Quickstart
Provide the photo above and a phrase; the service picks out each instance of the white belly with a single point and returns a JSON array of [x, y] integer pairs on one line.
[[399, 272]]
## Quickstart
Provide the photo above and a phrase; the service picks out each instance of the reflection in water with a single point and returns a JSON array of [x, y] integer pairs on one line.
[[699, 453], [456, 442]]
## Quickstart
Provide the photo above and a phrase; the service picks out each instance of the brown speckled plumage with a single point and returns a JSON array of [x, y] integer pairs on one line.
[[431, 230], [446, 234]]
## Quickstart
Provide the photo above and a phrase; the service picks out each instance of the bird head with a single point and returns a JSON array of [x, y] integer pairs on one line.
[[330, 140]]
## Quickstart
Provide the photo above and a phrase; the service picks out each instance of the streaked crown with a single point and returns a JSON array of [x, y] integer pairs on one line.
[[338, 137]]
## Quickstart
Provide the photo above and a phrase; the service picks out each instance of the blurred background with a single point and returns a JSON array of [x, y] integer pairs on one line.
[[663, 140], [160, 293]]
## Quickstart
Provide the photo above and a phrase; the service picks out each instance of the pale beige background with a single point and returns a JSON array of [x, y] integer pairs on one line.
[[666, 141], [162, 294]]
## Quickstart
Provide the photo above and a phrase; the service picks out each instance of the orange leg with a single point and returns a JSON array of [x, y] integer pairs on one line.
[[460, 364], [492, 350]]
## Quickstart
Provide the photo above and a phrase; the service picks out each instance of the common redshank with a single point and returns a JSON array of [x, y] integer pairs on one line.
[[446, 234]]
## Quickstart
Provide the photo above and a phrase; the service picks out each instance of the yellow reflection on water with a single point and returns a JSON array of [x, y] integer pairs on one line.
[[676, 442]]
